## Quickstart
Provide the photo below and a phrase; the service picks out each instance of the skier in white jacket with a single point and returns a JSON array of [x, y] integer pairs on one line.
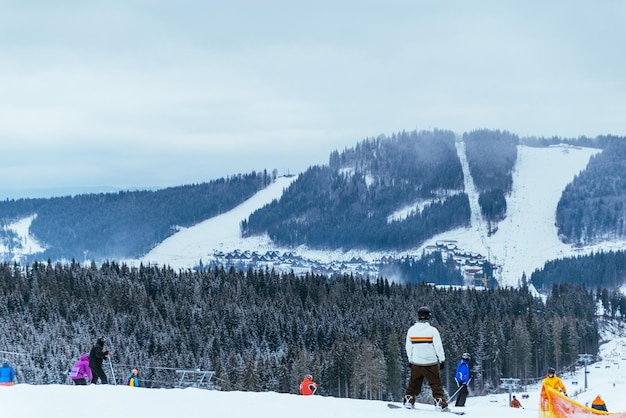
[[424, 350]]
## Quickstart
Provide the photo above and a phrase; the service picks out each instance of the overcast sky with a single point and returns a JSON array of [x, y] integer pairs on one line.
[[157, 93]]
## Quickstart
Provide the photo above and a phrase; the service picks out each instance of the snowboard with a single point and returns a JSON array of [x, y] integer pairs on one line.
[[421, 407]]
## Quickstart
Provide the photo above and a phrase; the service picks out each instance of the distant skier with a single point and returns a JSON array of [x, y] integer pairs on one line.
[[462, 378], [424, 350], [7, 374], [598, 403], [133, 378], [515, 403], [81, 370], [308, 386], [96, 357], [554, 382]]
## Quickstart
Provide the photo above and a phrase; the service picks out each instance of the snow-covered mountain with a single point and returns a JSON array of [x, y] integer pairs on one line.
[[525, 240]]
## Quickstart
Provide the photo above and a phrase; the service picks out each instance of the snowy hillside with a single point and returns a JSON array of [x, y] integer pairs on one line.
[[524, 241], [62, 401]]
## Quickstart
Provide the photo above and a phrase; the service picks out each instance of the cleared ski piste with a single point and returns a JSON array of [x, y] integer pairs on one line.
[[63, 401]]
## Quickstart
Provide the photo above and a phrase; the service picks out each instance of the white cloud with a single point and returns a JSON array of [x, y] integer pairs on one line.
[[251, 84]]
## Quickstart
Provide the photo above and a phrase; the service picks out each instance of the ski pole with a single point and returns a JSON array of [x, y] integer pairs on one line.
[[112, 372], [459, 389], [456, 393]]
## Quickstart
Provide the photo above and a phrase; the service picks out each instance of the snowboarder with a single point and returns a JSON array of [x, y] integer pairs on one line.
[[308, 386], [7, 374], [554, 382], [133, 379], [598, 403], [515, 403], [96, 357], [81, 370], [462, 378], [424, 350]]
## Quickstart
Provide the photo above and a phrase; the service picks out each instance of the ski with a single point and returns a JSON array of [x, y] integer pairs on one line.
[[399, 406]]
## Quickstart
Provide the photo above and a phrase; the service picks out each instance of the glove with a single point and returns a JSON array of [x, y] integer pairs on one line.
[[442, 365]]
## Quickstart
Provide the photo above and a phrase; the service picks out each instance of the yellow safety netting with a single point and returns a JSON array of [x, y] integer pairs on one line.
[[553, 404]]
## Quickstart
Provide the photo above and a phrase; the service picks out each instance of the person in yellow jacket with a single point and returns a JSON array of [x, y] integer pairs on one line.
[[554, 382]]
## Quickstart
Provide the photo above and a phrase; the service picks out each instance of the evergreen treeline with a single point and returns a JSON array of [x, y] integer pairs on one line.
[[262, 331], [129, 223], [601, 269], [491, 156], [592, 208], [350, 202]]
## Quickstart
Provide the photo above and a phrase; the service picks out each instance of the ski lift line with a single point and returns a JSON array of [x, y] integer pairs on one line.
[[17, 354], [135, 366]]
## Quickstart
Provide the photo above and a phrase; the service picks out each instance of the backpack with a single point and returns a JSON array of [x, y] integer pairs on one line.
[[74, 372]]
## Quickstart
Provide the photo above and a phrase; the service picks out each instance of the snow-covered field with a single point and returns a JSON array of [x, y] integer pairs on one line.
[[63, 401]]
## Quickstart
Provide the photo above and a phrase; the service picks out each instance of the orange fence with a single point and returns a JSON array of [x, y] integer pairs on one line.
[[553, 404]]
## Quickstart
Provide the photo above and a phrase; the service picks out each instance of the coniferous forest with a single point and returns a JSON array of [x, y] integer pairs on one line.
[[261, 331]]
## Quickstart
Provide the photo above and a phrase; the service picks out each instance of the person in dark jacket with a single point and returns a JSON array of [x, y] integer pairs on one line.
[[462, 378], [96, 357]]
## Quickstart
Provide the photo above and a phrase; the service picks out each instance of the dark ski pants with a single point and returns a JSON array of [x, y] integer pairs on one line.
[[80, 381], [431, 374], [97, 372], [463, 392]]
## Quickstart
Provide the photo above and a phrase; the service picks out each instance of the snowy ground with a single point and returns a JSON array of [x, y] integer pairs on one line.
[[62, 401], [28, 243]]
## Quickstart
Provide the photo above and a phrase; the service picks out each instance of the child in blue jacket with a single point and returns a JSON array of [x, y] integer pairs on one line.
[[462, 378]]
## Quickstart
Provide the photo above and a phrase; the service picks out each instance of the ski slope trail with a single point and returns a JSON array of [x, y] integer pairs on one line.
[[188, 246]]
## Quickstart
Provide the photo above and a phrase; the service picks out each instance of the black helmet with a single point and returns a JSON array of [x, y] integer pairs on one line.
[[551, 370], [466, 356], [101, 340], [423, 313]]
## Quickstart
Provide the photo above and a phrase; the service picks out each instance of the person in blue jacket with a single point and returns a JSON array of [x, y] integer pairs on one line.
[[462, 378], [7, 375]]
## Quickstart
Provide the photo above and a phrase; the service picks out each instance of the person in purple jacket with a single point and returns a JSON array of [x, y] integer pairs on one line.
[[81, 370]]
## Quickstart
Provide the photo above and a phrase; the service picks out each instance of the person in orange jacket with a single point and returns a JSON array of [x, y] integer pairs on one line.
[[599, 404], [515, 403], [308, 386], [554, 382]]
